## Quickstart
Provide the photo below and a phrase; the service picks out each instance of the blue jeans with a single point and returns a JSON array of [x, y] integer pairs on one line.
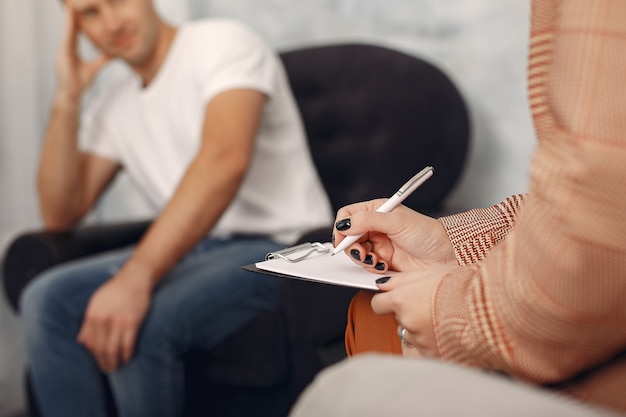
[[203, 300]]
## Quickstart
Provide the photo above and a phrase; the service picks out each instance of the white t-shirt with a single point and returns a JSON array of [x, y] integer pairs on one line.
[[155, 132]]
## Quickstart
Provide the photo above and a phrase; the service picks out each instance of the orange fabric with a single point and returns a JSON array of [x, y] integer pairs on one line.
[[547, 304], [371, 332]]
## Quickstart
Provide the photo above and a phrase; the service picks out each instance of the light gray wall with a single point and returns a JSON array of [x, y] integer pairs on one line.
[[481, 44]]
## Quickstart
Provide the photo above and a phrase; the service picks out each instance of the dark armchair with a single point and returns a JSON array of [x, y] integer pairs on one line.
[[374, 116]]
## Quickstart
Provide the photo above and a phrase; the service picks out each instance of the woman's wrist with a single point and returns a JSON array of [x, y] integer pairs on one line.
[[448, 254]]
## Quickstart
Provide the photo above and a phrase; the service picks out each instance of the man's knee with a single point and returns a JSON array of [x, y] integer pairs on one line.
[[38, 301], [54, 296], [36, 298]]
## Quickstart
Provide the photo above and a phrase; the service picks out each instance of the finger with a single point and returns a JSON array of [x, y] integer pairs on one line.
[[388, 301], [396, 281], [355, 253], [361, 256], [96, 65], [71, 30], [89, 332], [128, 344], [87, 338], [410, 339], [359, 250], [343, 222], [414, 346], [93, 335], [341, 230], [100, 62], [374, 222], [411, 352], [370, 261], [111, 351], [83, 335], [373, 263], [350, 209], [382, 303], [403, 336], [411, 345], [114, 349], [368, 245]]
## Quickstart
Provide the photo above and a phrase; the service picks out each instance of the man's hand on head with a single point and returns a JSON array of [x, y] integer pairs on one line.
[[74, 75]]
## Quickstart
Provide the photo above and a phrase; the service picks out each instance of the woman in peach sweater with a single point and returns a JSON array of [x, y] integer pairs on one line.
[[534, 287]]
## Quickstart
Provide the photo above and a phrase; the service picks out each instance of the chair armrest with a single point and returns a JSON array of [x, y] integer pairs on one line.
[[33, 252]]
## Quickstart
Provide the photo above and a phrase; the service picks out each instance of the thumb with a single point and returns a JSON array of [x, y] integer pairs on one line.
[[91, 69], [100, 62], [392, 281]]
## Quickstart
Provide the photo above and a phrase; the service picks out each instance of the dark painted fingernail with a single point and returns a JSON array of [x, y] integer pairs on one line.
[[380, 266], [368, 260], [382, 280], [343, 224], [355, 254]]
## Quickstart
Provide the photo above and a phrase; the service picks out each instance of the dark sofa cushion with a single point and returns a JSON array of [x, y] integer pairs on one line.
[[376, 116]]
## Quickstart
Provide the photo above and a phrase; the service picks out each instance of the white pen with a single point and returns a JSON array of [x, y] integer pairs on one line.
[[393, 202]]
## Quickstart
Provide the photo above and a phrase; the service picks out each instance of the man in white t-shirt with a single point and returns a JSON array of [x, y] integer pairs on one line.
[[207, 128]]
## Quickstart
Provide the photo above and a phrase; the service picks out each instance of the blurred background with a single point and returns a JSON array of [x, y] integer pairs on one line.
[[480, 44]]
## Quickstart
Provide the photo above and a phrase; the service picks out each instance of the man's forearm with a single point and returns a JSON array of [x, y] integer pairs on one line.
[[208, 187], [195, 208], [59, 177]]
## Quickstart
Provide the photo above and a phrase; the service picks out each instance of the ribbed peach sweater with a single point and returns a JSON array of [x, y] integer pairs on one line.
[[541, 295]]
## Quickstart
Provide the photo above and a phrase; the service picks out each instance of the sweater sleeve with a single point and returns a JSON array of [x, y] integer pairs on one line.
[[547, 303], [475, 232]]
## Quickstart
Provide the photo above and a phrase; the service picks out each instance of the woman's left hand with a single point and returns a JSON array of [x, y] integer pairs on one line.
[[409, 296]]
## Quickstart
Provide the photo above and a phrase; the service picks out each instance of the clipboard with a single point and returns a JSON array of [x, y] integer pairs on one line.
[[312, 261]]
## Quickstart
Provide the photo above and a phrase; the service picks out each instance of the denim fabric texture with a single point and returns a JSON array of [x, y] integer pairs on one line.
[[202, 301]]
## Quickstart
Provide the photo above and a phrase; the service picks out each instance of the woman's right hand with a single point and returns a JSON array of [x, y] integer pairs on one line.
[[402, 240]]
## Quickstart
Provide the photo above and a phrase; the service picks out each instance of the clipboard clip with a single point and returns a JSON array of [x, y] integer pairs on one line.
[[315, 247]]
